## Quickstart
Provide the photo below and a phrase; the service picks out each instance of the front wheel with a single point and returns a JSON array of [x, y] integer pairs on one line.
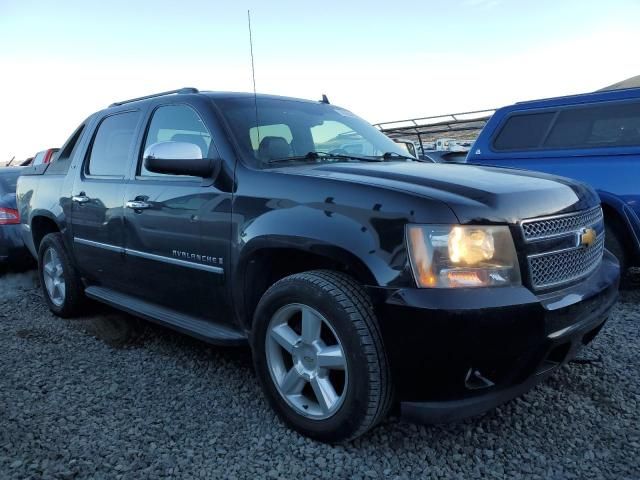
[[319, 356]]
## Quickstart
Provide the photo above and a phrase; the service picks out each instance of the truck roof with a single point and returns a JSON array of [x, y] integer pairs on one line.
[[211, 94], [590, 97]]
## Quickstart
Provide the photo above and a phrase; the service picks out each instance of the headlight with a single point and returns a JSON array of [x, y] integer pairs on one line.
[[449, 256]]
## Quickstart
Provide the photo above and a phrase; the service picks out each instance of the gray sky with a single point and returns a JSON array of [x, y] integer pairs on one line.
[[385, 61]]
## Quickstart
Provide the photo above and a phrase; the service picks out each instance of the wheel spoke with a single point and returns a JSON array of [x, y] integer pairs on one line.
[[49, 269], [62, 290], [292, 383], [325, 393], [311, 326], [285, 336], [55, 290], [331, 358]]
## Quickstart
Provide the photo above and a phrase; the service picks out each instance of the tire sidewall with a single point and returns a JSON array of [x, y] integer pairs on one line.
[[354, 407]]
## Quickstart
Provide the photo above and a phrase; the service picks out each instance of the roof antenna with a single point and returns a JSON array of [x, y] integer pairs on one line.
[[324, 99], [253, 73]]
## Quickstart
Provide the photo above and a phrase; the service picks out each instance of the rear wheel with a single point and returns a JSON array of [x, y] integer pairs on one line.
[[319, 356], [60, 282]]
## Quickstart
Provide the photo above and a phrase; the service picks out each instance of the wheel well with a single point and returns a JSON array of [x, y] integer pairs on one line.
[[267, 266], [616, 221], [41, 226]]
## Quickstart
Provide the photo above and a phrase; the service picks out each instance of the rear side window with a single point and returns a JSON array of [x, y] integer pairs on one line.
[[64, 156], [613, 125], [525, 131], [577, 127], [112, 145]]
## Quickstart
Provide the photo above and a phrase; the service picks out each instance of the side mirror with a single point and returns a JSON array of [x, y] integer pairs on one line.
[[179, 158]]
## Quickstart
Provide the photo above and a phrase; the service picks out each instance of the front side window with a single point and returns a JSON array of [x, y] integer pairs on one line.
[[112, 145], [283, 130], [176, 123]]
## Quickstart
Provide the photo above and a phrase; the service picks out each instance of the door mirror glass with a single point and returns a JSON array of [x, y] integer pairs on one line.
[[178, 158]]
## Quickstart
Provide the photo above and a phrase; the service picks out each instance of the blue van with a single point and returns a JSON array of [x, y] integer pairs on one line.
[[593, 137]]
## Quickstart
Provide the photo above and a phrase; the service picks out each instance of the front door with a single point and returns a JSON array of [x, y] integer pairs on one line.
[[166, 259], [97, 221]]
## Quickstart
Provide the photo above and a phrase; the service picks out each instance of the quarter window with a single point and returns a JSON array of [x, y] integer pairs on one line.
[[176, 123], [112, 145]]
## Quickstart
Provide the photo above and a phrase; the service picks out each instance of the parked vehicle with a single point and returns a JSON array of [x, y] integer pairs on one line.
[[45, 156], [445, 156], [408, 146], [12, 247], [593, 137], [357, 280], [452, 145]]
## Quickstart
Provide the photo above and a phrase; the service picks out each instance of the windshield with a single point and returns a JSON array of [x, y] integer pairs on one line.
[[288, 130]]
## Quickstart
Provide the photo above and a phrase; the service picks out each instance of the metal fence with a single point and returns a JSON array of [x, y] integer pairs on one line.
[[460, 126]]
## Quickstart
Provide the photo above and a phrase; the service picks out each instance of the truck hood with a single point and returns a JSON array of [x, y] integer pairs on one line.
[[474, 193]]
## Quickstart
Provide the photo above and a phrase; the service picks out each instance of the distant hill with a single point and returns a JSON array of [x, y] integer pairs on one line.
[[628, 83]]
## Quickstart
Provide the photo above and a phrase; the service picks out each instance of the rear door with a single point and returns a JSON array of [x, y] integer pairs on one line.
[[97, 200], [166, 260]]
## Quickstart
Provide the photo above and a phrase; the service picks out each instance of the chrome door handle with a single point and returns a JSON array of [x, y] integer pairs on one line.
[[82, 198], [138, 205]]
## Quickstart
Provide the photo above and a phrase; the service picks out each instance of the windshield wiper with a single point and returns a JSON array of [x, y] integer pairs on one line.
[[323, 155]]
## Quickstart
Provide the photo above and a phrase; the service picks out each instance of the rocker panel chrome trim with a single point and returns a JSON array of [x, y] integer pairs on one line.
[[149, 256]]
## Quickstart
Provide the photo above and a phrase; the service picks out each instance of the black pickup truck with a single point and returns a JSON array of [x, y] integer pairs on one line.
[[361, 279]]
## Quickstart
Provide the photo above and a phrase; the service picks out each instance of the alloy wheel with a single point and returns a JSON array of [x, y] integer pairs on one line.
[[307, 361], [53, 274]]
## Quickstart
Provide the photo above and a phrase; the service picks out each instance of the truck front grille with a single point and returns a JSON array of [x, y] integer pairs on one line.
[[555, 268], [557, 254], [559, 225]]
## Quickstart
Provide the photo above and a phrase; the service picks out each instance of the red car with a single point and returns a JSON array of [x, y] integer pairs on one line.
[[45, 156]]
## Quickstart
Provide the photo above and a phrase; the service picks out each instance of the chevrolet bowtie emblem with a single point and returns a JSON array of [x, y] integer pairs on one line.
[[587, 237]]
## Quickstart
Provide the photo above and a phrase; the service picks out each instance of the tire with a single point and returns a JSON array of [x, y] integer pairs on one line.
[[347, 325], [614, 242], [52, 252]]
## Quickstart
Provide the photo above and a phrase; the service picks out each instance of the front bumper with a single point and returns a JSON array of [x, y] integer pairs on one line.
[[458, 353]]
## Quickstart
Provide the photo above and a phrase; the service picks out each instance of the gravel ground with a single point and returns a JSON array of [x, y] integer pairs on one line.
[[77, 402]]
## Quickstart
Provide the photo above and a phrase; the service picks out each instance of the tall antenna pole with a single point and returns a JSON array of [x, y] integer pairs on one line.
[[253, 73]]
